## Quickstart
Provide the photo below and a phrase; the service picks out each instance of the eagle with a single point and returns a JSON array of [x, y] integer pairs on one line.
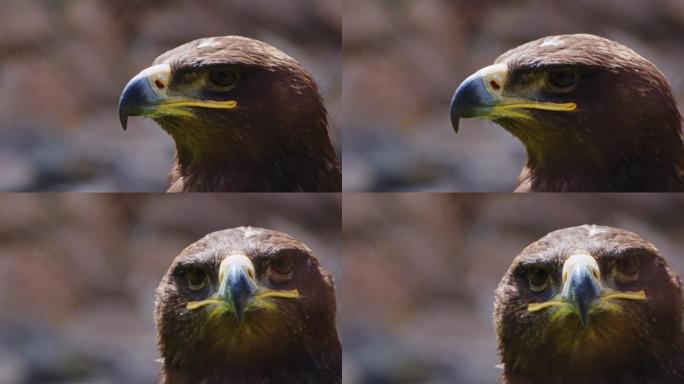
[[247, 306], [593, 115], [590, 304], [245, 117]]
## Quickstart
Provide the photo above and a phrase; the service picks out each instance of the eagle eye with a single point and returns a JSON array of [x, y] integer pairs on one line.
[[223, 77], [627, 268], [280, 268], [539, 279], [562, 79], [197, 279]]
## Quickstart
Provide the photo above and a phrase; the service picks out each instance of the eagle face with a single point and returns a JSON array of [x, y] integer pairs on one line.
[[247, 298], [231, 89], [244, 116], [592, 114], [584, 299], [551, 86]]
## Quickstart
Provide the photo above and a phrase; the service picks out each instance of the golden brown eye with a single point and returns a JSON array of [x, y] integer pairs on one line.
[[562, 79], [539, 279], [197, 279], [223, 77], [280, 269], [282, 265], [627, 267]]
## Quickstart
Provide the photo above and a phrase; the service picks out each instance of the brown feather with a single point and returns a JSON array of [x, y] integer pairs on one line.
[[642, 344], [625, 134], [277, 139], [296, 344]]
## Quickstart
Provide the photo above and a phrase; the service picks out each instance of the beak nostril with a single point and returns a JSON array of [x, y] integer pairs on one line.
[[494, 85], [159, 84]]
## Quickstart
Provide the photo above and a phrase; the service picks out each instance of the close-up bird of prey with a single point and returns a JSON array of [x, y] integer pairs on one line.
[[244, 116], [590, 304], [157, 140], [249, 92], [247, 306], [593, 115]]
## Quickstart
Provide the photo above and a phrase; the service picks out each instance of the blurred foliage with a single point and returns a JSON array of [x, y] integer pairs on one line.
[[404, 59], [420, 272], [63, 64], [78, 273]]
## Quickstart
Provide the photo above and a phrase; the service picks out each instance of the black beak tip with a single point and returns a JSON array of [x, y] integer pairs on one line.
[[123, 118], [136, 95], [583, 318], [125, 102], [239, 313], [455, 119], [455, 115]]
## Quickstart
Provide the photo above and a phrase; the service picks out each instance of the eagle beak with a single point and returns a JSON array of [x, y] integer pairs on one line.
[[482, 95], [581, 284], [582, 289], [237, 283], [144, 93], [478, 93], [238, 288], [147, 94]]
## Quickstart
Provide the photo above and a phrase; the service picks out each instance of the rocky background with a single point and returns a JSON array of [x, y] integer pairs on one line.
[[78, 273], [403, 60], [420, 272], [64, 63]]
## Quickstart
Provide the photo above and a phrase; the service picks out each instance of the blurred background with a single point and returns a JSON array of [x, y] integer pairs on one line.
[[420, 272], [403, 60], [64, 63], [78, 273]]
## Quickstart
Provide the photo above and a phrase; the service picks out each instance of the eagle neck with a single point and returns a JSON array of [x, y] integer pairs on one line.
[[643, 165], [304, 162], [320, 362], [652, 367]]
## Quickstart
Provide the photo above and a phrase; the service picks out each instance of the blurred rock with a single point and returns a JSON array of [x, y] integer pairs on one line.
[[18, 173]]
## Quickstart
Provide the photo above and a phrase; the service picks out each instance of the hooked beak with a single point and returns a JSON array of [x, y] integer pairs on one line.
[[583, 290], [147, 94], [482, 95], [238, 289], [581, 283], [474, 96], [144, 93], [237, 283]]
